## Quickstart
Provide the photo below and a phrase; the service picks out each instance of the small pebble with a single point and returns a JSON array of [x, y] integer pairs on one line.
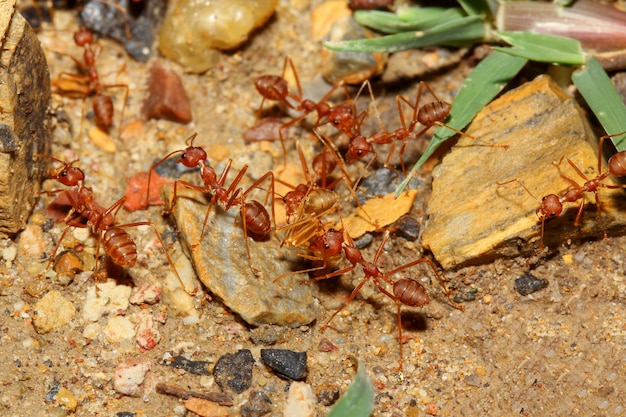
[[205, 408], [118, 328], [167, 98], [472, 380], [234, 372], [300, 401], [109, 299], [129, 376], [326, 394], [67, 399], [408, 228], [266, 334], [286, 363], [147, 334], [195, 367], [218, 24], [52, 311], [137, 187], [66, 265], [528, 284], [258, 405], [146, 294]]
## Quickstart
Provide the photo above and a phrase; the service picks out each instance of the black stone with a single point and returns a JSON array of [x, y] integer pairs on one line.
[[408, 228], [528, 284], [286, 363], [234, 372], [195, 367]]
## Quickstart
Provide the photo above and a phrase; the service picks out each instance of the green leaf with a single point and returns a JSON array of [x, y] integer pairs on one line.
[[480, 87], [419, 18], [475, 7], [467, 30], [358, 400], [543, 48], [598, 91]]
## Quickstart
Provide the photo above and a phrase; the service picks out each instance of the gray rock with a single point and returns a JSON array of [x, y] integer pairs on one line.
[[222, 265]]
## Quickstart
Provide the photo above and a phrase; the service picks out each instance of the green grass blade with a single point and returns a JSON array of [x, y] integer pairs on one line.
[[475, 7], [420, 18], [358, 400], [598, 91], [543, 48], [467, 30], [480, 87]]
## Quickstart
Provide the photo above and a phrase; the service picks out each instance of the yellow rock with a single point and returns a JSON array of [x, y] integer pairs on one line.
[[52, 311], [473, 219], [67, 399], [379, 212]]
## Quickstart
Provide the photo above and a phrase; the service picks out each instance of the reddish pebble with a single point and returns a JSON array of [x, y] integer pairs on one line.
[[136, 190], [167, 98]]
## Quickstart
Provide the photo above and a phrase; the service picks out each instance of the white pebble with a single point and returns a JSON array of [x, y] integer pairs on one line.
[[9, 254], [300, 401], [129, 377]]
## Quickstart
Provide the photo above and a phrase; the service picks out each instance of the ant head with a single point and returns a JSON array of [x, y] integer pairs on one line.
[[193, 156], [358, 148], [342, 117], [550, 207], [83, 37], [330, 242], [69, 175], [293, 200]]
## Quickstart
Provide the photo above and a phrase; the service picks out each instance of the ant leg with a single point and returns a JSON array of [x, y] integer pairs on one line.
[[430, 263], [167, 255], [350, 297]]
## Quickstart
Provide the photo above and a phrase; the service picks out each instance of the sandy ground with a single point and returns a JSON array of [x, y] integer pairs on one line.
[[560, 351]]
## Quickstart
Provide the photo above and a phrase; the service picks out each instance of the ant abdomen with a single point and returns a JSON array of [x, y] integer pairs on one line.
[[319, 200], [258, 221], [410, 292], [103, 111], [120, 247], [272, 87], [431, 113], [617, 164]]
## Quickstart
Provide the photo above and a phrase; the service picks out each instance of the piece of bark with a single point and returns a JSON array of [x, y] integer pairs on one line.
[[473, 220], [24, 130]]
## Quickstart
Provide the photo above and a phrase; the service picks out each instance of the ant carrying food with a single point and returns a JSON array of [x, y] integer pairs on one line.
[[117, 243], [88, 84], [257, 222]]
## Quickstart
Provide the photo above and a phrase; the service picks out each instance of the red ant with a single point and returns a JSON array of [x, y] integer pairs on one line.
[[429, 115], [551, 205], [118, 244], [255, 218], [86, 85], [276, 88], [406, 291], [616, 167]]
